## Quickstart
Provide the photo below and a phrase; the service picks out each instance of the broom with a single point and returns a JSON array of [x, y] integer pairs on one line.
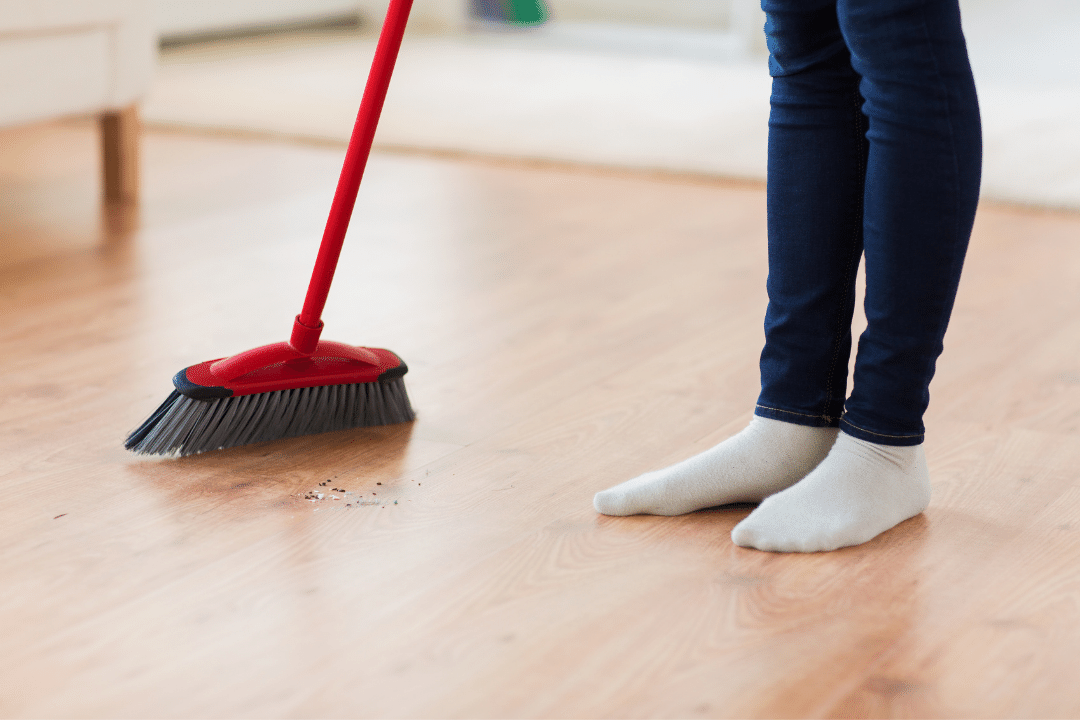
[[304, 386]]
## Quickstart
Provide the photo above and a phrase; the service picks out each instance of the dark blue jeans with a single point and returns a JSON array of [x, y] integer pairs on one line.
[[875, 148]]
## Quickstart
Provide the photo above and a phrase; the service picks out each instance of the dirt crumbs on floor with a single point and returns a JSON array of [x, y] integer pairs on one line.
[[328, 495]]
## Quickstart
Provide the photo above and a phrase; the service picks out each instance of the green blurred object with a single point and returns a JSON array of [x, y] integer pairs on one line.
[[526, 12], [513, 12]]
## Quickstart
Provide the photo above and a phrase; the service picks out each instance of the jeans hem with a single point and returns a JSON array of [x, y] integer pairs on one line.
[[796, 418], [880, 438]]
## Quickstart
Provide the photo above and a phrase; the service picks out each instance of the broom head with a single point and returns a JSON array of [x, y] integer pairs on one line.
[[274, 392]]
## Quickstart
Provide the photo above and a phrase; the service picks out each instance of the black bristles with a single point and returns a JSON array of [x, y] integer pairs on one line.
[[184, 426]]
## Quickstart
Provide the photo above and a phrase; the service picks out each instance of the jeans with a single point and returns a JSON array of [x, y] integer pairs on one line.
[[875, 148]]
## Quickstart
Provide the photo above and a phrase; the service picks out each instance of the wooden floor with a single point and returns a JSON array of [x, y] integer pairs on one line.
[[566, 330]]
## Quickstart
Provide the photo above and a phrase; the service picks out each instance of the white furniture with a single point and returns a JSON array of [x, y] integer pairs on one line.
[[60, 58]]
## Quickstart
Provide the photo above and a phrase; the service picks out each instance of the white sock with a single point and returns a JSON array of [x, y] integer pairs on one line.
[[858, 492], [766, 457]]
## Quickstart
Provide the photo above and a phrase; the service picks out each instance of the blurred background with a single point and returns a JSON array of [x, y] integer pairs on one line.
[[665, 85], [670, 85]]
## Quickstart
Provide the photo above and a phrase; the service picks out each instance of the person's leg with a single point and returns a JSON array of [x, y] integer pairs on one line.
[[816, 176], [817, 162], [922, 189]]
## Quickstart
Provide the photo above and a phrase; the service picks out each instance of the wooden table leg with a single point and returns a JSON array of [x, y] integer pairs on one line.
[[120, 155]]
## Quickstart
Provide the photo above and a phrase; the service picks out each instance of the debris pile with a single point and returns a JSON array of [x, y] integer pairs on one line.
[[346, 499]]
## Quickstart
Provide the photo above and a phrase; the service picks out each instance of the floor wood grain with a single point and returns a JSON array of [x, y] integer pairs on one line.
[[565, 329]]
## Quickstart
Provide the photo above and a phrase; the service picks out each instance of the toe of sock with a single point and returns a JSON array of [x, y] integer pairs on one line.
[[746, 535], [600, 504], [771, 532], [607, 502], [757, 539]]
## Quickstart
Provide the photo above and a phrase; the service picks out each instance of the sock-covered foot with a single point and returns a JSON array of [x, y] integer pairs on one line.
[[766, 457], [858, 492]]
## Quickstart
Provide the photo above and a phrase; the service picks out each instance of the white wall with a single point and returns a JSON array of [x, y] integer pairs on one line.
[[191, 17], [179, 18], [429, 16], [743, 18], [695, 13]]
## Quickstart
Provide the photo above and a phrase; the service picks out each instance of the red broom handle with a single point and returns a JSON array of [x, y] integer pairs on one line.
[[308, 324]]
